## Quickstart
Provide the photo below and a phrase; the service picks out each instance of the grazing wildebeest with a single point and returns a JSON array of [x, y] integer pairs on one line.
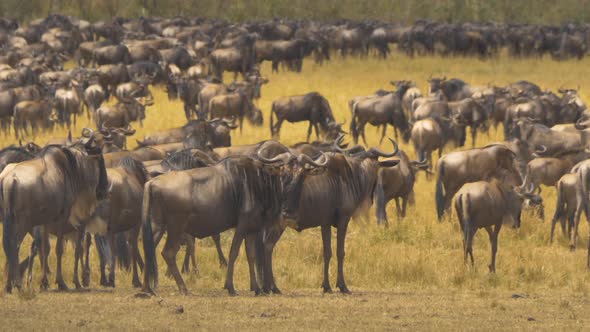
[[327, 200], [64, 184], [457, 168], [120, 212], [396, 183], [381, 111], [16, 154], [569, 206], [485, 204], [312, 107], [214, 132], [246, 189], [235, 105]]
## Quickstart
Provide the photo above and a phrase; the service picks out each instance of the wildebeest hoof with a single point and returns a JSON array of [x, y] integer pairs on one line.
[[136, 283], [257, 292], [61, 285], [77, 284], [327, 289], [344, 289], [572, 248], [492, 269], [44, 284], [275, 290]]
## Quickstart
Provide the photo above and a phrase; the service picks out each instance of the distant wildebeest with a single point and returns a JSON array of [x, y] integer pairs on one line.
[[64, 184], [312, 107], [396, 183], [36, 114], [480, 164], [485, 204], [432, 134], [381, 111], [68, 102], [235, 105], [123, 113], [16, 154], [215, 133], [328, 199]]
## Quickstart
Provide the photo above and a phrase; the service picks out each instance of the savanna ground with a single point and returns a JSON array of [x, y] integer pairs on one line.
[[407, 276]]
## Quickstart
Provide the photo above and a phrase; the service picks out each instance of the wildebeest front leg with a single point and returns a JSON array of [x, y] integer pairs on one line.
[[251, 256], [113, 261], [494, 242], [217, 239], [233, 255], [309, 129], [340, 241], [59, 251], [78, 254], [272, 237], [384, 131], [44, 257], [86, 268], [327, 244], [135, 256]]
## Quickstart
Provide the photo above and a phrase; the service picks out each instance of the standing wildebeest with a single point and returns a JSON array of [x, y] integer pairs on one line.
[[94, 96], [123, 113], [233, 59], [432, 134], [327, 200], [68, 103], [485, 204], [64, 185], [111, 54], [381, 111], [36, 114], [16, 154], [312, 107], [569, 206], [457, 168], [246, 192], [396, 183], [121, 212], [235, 105]]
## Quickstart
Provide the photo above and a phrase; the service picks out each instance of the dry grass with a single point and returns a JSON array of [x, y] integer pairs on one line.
[[409, 275]]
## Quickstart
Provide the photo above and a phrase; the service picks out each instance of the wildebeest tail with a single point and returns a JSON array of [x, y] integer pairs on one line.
[[272, 121], [463, 209], [584, 177], [149, 246], [259, 253], [380, 202], [353, 129], [122, 251], [104, 249], [439, 194], [8, 230]]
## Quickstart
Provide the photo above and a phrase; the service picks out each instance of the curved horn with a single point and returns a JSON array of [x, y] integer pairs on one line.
[[90, 137], [380, 153], [579, 126], [542, 150], [283, 158], [87, 132], [305, 159]]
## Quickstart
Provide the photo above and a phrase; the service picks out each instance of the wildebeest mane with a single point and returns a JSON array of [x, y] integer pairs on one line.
[[135, 167], [183, 160]]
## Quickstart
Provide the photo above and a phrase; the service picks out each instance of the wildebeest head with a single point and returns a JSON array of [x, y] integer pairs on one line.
[[436, 84], [515, 199], [93, 167]]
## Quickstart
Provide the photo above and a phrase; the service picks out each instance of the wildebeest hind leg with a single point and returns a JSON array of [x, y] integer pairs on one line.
[[78, 255], [86, 268], [327, 243], [59, 251], [217, 239], [340, 241], [171, 248], [272, 237]]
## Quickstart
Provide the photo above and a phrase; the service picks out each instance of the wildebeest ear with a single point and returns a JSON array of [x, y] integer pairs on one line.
[[388, 163]]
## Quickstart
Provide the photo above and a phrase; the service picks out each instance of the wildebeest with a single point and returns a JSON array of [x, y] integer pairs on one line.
[[312, 107], [485, 204], [121, 211], [235, 105], [327, 200], [381, 111], [64, 184], [36, 114], [123, 113], [245, 187], [457, 168], [215, 133], [68, 103], [569, 206], [16, 154], [111, 54]]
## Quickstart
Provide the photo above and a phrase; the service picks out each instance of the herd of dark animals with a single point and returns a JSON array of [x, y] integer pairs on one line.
[[92, 185]]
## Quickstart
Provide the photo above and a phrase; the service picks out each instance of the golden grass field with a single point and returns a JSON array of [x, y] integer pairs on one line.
[[408, 276]]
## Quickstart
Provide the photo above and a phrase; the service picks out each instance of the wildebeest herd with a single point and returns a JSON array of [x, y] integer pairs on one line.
[[191, 182]]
